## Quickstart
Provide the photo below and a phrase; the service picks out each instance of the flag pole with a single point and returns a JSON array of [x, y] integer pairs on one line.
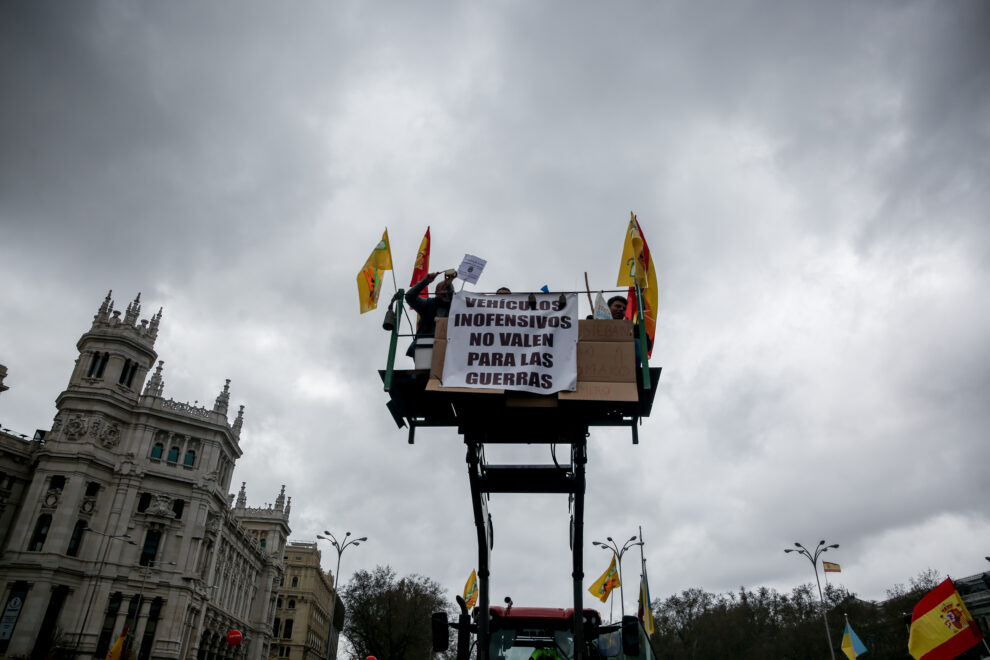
[[395, 284], [642, 557], [587, 288]]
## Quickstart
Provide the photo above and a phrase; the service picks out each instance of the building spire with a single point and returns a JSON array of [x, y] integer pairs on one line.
[[288, 506], [103, 313], [242, 496], [133, 310], [280, 500], [238, 423], [155, 384], [223, 400], [153, 326]]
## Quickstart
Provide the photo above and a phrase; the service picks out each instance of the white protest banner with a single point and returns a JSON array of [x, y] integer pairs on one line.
[[500, 341], [470, 268]]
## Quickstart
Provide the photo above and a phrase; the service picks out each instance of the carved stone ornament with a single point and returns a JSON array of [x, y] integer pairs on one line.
[[110, 436], [88, 505], [161, 506], [94, 428], [50, 499], [57, 425], [76, 427]]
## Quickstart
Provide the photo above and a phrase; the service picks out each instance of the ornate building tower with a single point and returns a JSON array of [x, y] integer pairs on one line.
[[125, 516]]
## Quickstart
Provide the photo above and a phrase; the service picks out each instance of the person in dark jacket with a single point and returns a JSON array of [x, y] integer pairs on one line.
[[430, 309]]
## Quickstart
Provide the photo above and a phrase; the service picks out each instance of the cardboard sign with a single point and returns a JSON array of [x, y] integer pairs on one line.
[[500, 341]]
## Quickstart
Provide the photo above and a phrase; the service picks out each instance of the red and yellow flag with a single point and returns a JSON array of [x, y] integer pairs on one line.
[[941, 627], [422, 267], [604, 585], [831, 567], [637, 266], [118, 647], [369, 279], [471, 590]]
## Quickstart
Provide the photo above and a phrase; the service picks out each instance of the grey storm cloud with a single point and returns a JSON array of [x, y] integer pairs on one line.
[[810, 178]]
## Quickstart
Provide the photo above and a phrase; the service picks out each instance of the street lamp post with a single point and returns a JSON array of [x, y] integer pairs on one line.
[[137, 611], [340, 547], [99, 572], [617, 552], [813, 558]]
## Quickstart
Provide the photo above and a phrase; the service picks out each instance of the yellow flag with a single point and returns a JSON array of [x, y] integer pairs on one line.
[[633, 265], [471, 590], [369, 279], [637, 266], [604, 585]]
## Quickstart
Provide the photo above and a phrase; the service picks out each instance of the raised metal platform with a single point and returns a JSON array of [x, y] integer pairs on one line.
[[509, 417]]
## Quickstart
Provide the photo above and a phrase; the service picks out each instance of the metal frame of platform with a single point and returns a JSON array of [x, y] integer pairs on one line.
[[515, 418]]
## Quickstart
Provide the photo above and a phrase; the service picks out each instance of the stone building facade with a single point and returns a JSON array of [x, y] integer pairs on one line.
[[119, 516], [303, 609]]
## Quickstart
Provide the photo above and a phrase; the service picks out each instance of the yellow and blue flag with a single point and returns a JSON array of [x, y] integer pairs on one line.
[[851, 645]]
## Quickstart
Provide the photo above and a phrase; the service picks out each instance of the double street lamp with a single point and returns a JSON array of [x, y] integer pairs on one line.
[[340, 547], [813, 558], [617, 552]]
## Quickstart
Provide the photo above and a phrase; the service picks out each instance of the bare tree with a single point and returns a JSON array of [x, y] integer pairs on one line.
[[389, 617]]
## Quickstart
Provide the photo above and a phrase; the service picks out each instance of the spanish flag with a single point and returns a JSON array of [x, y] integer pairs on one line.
[[422, 267], [118, 647], [604, 585], [941, 627], [637, 266], [369, 280], [831, 567], [471, 590]]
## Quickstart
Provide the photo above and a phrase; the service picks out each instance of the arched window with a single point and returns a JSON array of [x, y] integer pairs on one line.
[[40, 533], [150, 549], [157, 450], [103, 365], [110, 619], [173, 454], [123, 372], [94, 364], [190, 458], [75, 541]]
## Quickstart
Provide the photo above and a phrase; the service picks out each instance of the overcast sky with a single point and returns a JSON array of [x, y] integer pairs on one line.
[[811, 178]]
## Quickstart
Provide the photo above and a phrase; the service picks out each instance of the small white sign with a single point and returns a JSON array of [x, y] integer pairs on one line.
[[470, 269]]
